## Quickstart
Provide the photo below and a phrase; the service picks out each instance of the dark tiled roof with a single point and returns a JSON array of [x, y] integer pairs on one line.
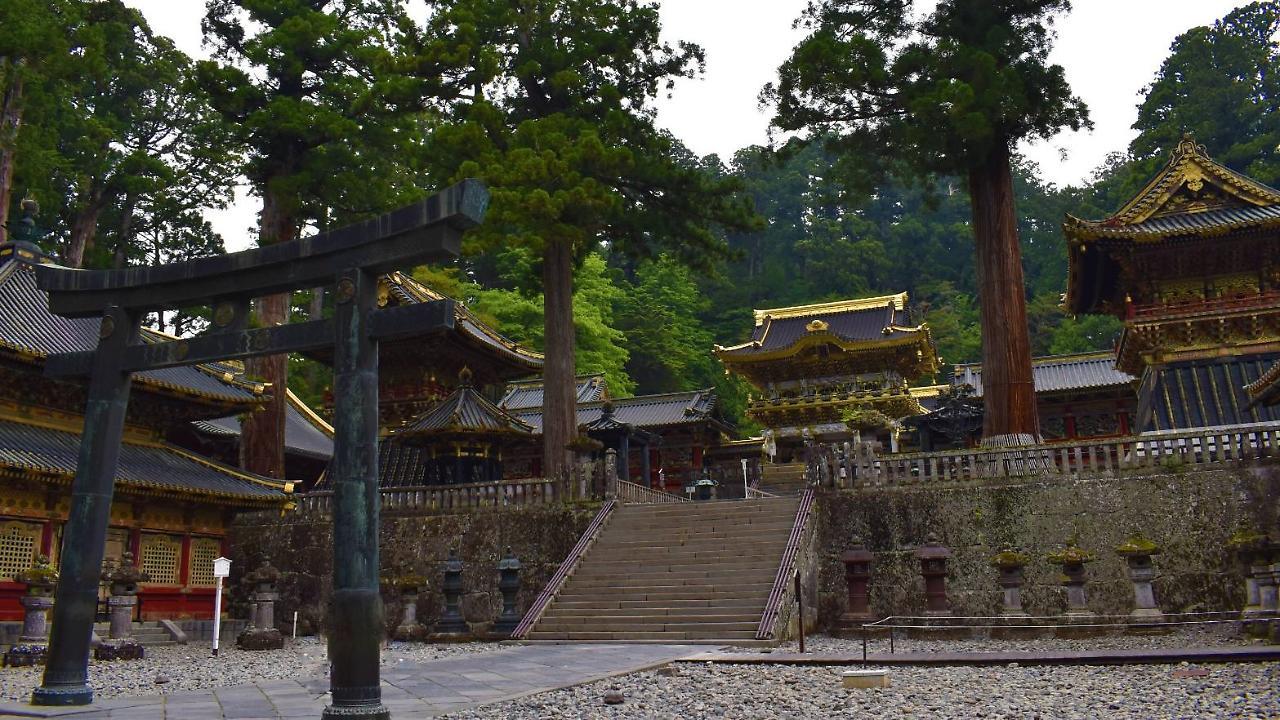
[[1060, 373], [643, 411], [158, 466], [401, 465], [1203, 393], [526, 395], [27, 327], [1266, 389], [301, 435], [1169, 226], [465, 411], [406, 290], [871, 319]]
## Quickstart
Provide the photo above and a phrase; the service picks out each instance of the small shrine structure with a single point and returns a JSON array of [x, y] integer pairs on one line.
[[1191, 265], [815, 366], [462, 438]]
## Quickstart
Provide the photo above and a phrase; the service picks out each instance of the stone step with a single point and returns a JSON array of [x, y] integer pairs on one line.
[[651, 615], [655, 624], [667, 635], [709, 532], [674, 590], [668, 607], [640, 578], [680, 555], [722, 561]]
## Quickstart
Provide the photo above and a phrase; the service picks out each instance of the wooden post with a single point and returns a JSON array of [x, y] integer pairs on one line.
[[66, 675], [356, 636]]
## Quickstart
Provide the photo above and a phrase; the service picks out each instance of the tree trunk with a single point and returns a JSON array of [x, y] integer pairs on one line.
[[1008, 391], [10, 122], [84, 227], [262, 432], [559, 406]]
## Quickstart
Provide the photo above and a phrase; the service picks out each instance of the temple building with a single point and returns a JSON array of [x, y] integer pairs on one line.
[[818, 368], [172, 505], [1192, 267], [1080, 396], [662, 439]]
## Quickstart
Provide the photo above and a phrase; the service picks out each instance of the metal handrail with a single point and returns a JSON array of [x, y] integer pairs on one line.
[[563, 572], [786, 569]]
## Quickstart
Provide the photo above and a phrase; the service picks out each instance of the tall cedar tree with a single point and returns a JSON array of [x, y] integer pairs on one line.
[[947, 93], [327, 97], [34, 49], [559, 123]]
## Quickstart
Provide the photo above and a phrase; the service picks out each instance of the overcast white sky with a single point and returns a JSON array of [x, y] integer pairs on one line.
[[1110, 49]]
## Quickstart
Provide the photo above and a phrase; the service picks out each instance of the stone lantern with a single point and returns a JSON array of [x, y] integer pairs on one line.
[[31, 648], [509, 586], [263, 634], [1011, 564], [451, 620], [1253, 550], [705, 487], [123, 580], [1137, 550], [409, 587], [857, 574], [933, 566], [1072, 560]]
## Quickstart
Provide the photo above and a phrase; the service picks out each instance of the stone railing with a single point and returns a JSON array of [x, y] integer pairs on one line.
[[429, 499], [777, 608], [848, 466], [630, 493]]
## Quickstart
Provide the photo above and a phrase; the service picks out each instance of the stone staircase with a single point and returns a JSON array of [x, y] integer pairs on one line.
[[783, 478], [149, 634], [675, 573]]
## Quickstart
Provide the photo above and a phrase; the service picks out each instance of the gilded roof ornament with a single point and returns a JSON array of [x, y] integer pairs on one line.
[[817, 326]]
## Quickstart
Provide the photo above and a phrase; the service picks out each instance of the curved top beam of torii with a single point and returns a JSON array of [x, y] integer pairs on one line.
[[426, 231]]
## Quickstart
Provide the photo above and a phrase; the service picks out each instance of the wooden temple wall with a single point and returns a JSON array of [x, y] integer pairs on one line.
[[175, 545]]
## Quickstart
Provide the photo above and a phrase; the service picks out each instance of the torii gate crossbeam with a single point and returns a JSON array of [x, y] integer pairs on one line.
[[351, 258]]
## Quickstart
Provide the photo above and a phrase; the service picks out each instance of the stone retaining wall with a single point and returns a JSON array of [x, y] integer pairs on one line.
[[301, 546], [1190, 514]]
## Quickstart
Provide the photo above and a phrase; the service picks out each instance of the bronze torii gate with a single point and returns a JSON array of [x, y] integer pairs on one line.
[[351, 258]]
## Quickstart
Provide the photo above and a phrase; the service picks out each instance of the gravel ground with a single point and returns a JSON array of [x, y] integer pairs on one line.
[[191, 667], [749, 692], [1224, 635]]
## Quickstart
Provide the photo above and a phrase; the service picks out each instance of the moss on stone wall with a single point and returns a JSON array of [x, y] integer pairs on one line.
[[302, 548], [1191, 515]]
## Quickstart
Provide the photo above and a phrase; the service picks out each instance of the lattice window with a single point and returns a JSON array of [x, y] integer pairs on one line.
[[18, 543], [160, 558], [203, 553]]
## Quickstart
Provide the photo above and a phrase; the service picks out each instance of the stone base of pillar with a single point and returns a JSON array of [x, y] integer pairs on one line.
[[504, 626], [260, 639], [119, 649], [410, 633], [23, 654], [377, 711]]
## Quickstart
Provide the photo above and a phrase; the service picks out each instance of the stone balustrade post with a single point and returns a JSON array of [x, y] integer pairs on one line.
[[33, 645], [1011, 565], [933, 566], [1137, 551], [857, 576], [451, 620], [263, 634], [611, 474]]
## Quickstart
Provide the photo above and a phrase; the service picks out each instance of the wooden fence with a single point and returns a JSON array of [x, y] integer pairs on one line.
[[849, 466]]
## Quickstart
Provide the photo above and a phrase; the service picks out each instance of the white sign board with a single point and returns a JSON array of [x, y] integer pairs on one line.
[[221, 567]]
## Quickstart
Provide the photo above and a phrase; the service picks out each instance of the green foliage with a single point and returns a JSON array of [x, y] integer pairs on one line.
[[659, 319], [1219, 83], [886, 88], [118, 143]]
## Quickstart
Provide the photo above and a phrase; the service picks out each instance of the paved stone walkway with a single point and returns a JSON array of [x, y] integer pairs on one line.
[[409, 690]]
